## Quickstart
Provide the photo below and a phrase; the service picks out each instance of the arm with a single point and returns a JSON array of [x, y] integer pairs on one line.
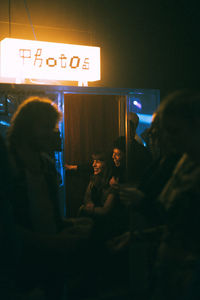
[[114, 181], [108, 205], [71, 167], [82, 168], [87, 198], [119, 242], [129, 195], [91, 210], [88, 206], [150, 235]]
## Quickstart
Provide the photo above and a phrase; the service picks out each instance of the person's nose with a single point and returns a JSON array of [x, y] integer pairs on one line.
[[94, 163]]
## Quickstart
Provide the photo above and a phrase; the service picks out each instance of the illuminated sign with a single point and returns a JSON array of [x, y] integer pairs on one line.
[[50, 61]]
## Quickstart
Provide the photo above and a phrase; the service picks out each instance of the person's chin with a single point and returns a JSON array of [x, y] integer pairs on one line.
[[96, 172]]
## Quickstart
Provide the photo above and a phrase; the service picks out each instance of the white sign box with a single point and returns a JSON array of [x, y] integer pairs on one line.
[[51, 61]]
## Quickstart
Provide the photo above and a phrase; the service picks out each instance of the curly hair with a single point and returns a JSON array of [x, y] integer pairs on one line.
[[34, 110]]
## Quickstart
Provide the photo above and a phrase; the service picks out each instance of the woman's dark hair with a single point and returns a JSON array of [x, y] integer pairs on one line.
[[100, 156]]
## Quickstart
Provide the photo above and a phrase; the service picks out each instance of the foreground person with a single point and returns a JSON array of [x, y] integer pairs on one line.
[[48, 241], [179, 252], [176, 266], [9, 240]]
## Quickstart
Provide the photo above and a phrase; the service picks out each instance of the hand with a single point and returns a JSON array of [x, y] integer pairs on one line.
[[114, 181], [89, 207], [130, 195], [71, 167], [119, 243]]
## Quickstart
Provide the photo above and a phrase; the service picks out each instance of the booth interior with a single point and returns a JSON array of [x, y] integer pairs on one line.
[[93, 117]]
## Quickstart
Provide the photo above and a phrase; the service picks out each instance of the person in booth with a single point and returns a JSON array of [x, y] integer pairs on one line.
[[139, 158], [118, 161], [98, 200], [101, 201]]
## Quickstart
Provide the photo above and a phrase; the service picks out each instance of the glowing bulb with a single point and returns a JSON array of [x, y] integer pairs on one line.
[[136, 103]]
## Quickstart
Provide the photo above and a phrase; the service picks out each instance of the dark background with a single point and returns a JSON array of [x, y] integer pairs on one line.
[[151, 44]]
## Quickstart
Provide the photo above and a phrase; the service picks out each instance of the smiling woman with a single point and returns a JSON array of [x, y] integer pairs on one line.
[[98, 200], [101, 201], [98, 166]]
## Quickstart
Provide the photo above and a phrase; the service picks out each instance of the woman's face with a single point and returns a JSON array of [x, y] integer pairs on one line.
[[97, 166], [46, 138]]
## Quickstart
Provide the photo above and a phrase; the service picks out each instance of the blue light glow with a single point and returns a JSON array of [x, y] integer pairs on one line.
[[4, 123], [145, 118]]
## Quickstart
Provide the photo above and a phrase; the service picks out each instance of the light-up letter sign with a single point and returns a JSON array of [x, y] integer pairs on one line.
[[51, 61]]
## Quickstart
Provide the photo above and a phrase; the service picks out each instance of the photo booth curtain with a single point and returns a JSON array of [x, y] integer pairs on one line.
[[91, 124]]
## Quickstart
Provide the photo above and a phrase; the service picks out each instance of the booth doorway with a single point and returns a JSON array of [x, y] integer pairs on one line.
[[92, 123]]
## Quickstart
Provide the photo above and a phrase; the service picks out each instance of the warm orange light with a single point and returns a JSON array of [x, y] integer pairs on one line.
[[24, 59]]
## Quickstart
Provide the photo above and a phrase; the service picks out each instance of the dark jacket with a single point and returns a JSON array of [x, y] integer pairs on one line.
[[21, 199], [139, 158]]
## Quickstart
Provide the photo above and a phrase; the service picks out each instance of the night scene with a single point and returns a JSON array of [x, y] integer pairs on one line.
[[99, 150]]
